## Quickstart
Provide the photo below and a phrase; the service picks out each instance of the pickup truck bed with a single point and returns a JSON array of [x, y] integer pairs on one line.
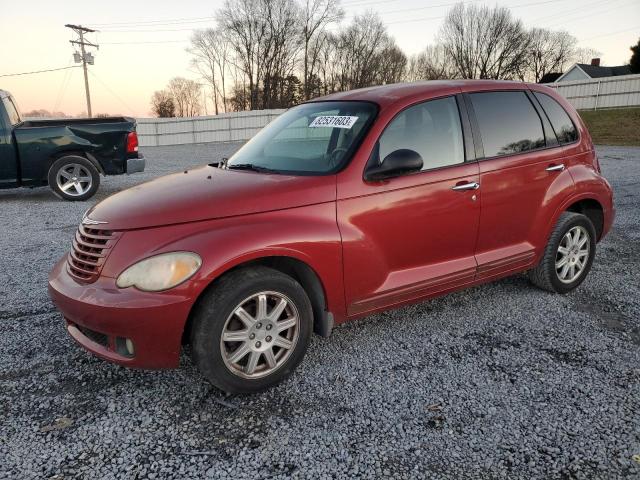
[[103, 141], [69, 155]]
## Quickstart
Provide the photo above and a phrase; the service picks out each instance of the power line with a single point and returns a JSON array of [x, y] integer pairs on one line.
[[113, 93], [569, 11], [609, 34], [166, 21], [186, 40], [157, 24], [38, 71], [150, 30], [444, 16], [63, 87], [593, 14]]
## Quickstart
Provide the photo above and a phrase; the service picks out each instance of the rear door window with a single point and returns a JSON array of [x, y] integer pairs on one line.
[[432, 129], [560, 121], [508, 122]]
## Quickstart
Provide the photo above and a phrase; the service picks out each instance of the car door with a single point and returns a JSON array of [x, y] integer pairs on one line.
[[8, 159], [519, 169], [413, 235]]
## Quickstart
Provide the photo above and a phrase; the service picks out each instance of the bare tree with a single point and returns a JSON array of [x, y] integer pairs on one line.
[[280, 49], [324, 47], [186, 96], [585, 55], [358, 52], [264, 36], [548, 52], [162, 104], [210, 49], [484, 42], [433, 63], [245, 28], [317, 15], [392, 63]]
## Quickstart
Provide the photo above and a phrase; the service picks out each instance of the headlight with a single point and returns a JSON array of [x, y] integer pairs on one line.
[[161, 272]]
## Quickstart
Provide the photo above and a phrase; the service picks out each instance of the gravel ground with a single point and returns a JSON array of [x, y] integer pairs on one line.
[[499, 381]]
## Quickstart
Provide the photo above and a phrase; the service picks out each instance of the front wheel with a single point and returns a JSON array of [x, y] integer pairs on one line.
[[251, 330], [73, 178], [568, 255]]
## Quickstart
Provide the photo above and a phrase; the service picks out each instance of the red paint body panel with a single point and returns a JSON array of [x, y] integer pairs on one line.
[[372, 245], [207, 193], [409, 235]]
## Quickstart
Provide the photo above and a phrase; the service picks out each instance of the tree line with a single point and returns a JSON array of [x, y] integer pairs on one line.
[[263, 54]]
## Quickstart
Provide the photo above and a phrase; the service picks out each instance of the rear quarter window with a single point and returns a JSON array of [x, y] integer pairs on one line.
[[508, 123], [564, 128]]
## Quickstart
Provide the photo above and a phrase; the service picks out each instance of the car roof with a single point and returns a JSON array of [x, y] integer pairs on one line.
[[397, 92]]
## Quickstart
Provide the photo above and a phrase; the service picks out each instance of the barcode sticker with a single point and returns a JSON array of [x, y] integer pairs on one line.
[[333, 121]]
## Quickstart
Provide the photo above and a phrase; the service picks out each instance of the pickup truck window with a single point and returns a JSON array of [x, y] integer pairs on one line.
[[12, 111], [313, 138]]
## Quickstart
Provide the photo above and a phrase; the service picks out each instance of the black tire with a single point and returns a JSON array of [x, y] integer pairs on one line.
[[68, 162], [217, 305], [544, 275]]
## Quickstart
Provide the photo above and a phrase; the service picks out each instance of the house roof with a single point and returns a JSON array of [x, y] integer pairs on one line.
[[601, 72], [550, 77]]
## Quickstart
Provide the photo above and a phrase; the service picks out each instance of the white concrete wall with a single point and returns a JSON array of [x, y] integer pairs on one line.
[[226, 127], [593, 94], [612, 92]]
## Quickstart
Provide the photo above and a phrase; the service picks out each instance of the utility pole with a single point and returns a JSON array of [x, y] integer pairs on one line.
[[84, 57]]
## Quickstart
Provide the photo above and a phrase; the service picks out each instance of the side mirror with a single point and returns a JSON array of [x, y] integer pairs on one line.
[[398, 162]]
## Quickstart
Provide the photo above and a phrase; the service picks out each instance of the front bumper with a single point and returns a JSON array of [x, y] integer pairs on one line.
[[135, 165], [99, 313]]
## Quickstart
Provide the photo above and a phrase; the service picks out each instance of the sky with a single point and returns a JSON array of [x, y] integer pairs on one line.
[[134, 61]]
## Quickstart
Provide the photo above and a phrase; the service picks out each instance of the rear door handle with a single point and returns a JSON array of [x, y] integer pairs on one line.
[[555, 168], [466, 186]]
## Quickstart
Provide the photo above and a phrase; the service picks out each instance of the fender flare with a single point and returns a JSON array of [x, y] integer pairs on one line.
[[570, 200], [323, 318]]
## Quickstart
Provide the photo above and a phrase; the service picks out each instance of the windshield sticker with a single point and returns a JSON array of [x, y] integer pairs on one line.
[[333, 121]]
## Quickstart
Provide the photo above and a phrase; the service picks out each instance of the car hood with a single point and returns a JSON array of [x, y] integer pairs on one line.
[[207, 193]]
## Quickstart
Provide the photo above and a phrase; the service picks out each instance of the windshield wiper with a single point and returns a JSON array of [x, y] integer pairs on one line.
[[248, 166]]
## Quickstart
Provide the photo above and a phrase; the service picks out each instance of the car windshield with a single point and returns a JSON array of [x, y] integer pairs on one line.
[[313, 138]]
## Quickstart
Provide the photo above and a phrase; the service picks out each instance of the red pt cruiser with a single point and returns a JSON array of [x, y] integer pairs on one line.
[[344, 206]]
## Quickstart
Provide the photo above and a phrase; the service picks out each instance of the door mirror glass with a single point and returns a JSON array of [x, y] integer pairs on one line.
[[398, 162]]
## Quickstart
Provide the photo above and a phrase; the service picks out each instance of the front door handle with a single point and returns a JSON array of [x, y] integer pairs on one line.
[[555, 168], [466, 186]]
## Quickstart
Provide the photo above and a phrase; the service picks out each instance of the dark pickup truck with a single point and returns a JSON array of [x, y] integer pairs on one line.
[[68, 155]]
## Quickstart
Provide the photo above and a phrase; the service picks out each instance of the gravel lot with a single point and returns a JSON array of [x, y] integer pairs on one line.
[[500, 381]]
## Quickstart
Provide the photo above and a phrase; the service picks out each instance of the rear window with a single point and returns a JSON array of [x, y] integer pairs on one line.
[[508, 123], [560, 121]]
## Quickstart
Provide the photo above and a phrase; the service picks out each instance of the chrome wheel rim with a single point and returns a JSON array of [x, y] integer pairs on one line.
[[74, 179], [260, 335], [573, 254]]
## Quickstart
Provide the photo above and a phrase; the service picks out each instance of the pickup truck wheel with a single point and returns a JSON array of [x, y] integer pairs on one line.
[[73, 178], [251, 330], [568, 255]]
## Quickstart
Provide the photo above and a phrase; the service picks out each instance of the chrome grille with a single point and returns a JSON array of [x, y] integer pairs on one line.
[[91, 246]]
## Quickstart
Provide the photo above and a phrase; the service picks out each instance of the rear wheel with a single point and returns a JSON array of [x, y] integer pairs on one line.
[[252, 330], [73, 178], [568, 255]]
